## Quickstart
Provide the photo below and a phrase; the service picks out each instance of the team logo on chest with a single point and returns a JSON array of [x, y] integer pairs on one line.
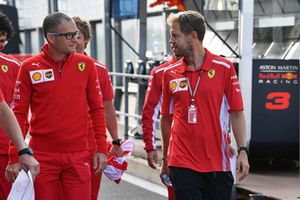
[[4, 68], [179, 84], [39, 76], [81, 66], [211, 73]]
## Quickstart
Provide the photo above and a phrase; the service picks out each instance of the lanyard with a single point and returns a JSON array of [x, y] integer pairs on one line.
[[193, 93]]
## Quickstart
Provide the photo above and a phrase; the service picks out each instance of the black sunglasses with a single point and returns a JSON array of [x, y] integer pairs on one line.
[[69, 36]]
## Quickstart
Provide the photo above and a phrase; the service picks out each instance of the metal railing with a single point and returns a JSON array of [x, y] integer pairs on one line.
[[126, 79]]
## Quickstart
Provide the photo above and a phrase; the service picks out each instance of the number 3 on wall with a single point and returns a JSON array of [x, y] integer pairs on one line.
[[278, 100]]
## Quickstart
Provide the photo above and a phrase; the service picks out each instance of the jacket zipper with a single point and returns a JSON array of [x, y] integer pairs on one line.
[[59, 71]]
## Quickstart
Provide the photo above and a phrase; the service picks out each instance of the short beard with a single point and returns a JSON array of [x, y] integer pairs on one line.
[[187, 52]]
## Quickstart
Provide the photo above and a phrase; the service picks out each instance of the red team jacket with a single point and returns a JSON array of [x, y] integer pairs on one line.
[[152, 105], [202, 146], [105, 82], [8, 75], [107, 95], [58, 97]]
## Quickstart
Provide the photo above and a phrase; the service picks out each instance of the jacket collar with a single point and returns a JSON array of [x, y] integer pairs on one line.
[[45, 52]]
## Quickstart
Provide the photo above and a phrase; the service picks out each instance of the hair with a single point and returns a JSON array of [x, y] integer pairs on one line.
[[52, 20], [84, 27], [6, 26], [189, 21]]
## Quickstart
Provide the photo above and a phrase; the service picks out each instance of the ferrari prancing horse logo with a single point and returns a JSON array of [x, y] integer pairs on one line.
[[4, 68], [81, 66], [211, 73]]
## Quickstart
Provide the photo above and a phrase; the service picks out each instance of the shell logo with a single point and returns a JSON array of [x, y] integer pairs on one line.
[[36, 76], [173, 86]]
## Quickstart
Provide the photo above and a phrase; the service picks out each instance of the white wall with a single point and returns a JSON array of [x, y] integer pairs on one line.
[[88, 10], [31, 13]]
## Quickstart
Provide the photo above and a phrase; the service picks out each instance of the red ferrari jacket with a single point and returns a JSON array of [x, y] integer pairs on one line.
[[107, 95], [58, 96], [8, 75], [152, 105]]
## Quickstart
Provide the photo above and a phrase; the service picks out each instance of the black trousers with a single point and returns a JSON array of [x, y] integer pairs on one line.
[[192, 185]]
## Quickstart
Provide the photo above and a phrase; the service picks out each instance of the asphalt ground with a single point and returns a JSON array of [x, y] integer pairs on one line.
[[129, 189]]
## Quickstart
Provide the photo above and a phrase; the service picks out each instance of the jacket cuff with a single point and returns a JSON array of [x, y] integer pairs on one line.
[[102, 147]]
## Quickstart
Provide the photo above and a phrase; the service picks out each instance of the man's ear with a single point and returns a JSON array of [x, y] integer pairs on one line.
[[50, 38], [86, 43], [194, 35]]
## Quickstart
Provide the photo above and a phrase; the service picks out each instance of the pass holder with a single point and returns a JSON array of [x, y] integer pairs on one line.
[[192, 114], [192, 109]]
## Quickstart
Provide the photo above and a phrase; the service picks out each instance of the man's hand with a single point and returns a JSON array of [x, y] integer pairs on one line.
[[164, 169], [116, 150], [152, 158], [12, 171], [242, 165], [100, 162], [231, 151], [28, 162]]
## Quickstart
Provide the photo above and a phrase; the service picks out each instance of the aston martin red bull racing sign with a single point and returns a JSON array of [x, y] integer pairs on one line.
[[275, 107]]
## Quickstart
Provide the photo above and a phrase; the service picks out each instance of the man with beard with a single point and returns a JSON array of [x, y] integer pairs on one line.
[[200, 93]]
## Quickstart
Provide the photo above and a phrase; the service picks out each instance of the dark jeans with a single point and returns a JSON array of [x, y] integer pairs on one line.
[[192, 185]]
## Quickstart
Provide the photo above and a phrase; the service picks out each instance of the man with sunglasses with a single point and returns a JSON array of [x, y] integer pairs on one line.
[[200, 92], [9, 68], [58, 85]]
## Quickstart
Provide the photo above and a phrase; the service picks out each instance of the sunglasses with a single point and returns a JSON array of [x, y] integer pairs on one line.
[[69, 36]]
